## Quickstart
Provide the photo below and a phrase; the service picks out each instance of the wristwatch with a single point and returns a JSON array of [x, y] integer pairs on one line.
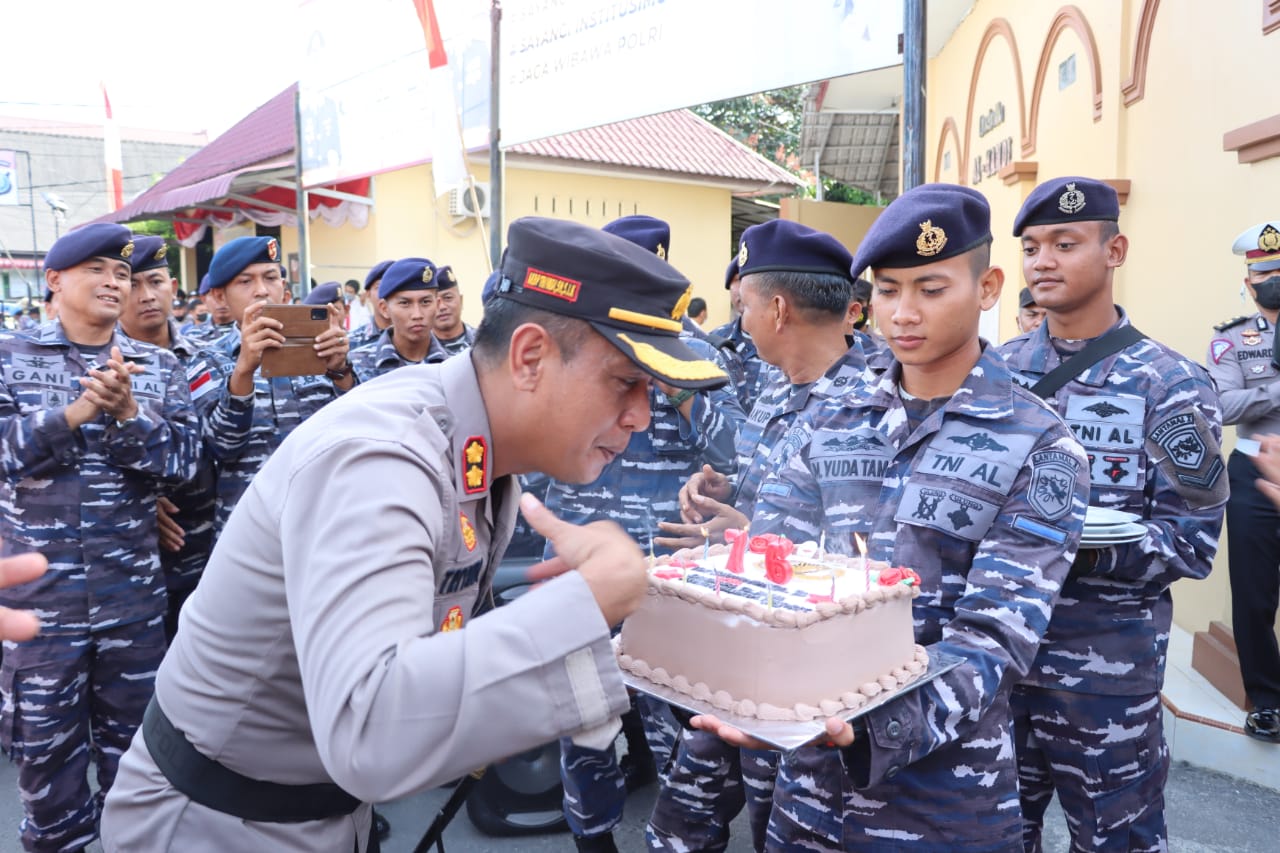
[[121, 424], [342, 373]]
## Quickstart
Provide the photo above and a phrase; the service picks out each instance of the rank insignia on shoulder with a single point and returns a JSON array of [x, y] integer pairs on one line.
[[1232, 323], [475, 465]]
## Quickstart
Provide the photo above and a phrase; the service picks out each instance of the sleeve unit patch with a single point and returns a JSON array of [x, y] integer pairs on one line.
[[1218, 348], [1186, 451], [1053, 475]]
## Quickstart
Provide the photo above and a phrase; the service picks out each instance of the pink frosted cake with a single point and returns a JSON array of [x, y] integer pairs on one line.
[[823, 642]]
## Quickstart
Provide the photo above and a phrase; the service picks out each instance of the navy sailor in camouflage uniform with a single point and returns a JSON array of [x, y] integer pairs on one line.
[[795, 291], [93, 428], [942, 464], [1088, 714], [638, 489], [407, 293], [185, 513], [754, 374], [258, 412]]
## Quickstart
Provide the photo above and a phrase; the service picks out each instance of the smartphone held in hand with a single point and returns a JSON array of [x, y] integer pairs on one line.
[[302, 323]]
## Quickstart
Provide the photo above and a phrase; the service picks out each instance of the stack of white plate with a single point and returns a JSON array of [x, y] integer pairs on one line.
[[1106, 527]]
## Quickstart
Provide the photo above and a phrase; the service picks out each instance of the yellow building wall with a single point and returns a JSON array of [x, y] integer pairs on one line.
[[1205, 74], [848, 223], [406, 222]]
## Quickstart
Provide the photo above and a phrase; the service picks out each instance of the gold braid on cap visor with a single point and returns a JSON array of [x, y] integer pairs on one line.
[[645, 320], [670, 366]]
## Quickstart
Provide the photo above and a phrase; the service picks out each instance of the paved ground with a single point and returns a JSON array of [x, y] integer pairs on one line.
[[1207, 812]]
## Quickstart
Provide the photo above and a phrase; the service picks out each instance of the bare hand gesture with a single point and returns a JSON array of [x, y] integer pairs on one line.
[[601, 552]]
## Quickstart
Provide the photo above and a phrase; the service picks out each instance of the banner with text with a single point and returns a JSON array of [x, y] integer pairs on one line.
[[573, 64]]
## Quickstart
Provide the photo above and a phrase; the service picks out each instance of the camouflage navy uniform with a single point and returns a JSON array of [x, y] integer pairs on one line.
[[461, 343], [708, 781], [209, 333], [1242, 364], [1087, 714], [983, 494], [207, 370], [637, 490], [86, 499], [363, 336], [756, 374], [381, 356], [241, 432]]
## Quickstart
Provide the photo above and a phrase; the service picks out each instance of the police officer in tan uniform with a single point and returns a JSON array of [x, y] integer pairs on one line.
[[322, 667], [1243, 362]]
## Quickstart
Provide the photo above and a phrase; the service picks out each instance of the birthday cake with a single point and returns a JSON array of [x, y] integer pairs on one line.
[[791, 634]]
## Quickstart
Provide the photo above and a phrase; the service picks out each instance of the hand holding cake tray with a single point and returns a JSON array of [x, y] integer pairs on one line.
[[773, 638]]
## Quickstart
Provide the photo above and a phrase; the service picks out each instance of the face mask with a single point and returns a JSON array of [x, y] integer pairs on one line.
[[1267, 293]]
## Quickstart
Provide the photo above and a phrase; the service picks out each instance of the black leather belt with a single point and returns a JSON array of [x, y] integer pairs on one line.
[[217, 787]]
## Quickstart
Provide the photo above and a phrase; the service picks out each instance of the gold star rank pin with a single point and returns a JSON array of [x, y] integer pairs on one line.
[[474, 454], [931, 240]]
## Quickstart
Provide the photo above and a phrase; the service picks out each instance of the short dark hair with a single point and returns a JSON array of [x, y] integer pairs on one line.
[[696, 306], [862, 290], [503, 316], [351, 282], [1107, 229], [980, 259], [820, 294]]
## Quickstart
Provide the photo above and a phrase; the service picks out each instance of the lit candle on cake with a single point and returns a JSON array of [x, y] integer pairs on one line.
[[866, 570], [706, 543]]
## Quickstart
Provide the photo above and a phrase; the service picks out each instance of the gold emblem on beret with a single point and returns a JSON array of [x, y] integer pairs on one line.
[[1269, 239], [127, 251], [742, 255], [662, 251], [931, 239], [449, 276], [682, 304], [427, 275], [1071, 201], [273, 249], [161, 252]]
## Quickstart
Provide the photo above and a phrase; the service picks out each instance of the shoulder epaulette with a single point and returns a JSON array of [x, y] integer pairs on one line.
[[1235, 321]]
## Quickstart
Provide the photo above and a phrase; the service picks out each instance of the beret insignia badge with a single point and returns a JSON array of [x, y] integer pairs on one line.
[[427, 275], [931, 241], [1269, 239], [1071, 201], [742, 254], [127, 251]]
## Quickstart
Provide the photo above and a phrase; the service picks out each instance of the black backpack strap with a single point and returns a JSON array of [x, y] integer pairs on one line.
[[1098, 349]]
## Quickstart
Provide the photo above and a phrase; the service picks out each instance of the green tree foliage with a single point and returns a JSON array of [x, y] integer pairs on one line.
[[767, 123]]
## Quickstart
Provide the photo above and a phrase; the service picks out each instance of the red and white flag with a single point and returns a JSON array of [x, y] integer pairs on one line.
[[115, 160], [448, 163]]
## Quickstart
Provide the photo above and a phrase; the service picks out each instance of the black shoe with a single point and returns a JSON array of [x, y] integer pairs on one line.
[[1263, 724], [602, 843], [381, 826]]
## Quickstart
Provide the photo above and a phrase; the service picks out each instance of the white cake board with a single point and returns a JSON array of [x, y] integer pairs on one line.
[[787, 735]]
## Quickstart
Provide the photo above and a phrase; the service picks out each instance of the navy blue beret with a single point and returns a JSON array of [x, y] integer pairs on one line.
[[97, 240], [781, 245], [376, 273], [149, 253], [633, 298], [323, 294], [204, 285], [231, 259], [926, 224], [409, 274], [648, 232], [1025, 298], [731, 272], [445, 278], [1068, 200]]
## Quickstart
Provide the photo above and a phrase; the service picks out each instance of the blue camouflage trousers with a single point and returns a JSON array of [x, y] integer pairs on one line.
[[707, 784], [70, 699], [1107, 759], [808, 801], [594, 788]]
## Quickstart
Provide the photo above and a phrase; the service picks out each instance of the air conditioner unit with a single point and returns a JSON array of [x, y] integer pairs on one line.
[[461, 204]]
